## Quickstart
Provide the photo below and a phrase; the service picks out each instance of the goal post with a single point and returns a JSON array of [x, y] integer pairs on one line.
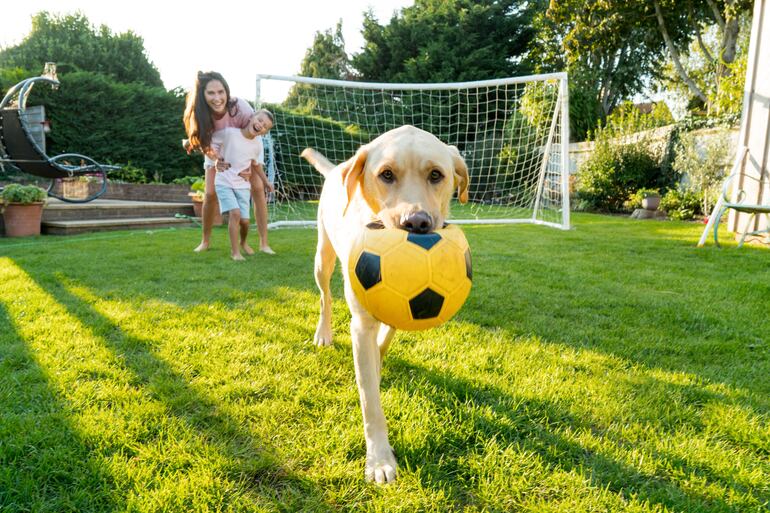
[[513, 134]]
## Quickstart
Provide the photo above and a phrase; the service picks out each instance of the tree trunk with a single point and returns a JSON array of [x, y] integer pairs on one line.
[[675, 55], [730, 40]]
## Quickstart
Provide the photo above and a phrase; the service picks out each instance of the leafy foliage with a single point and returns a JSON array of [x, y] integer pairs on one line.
[[299, 180], [681, 204], [448, 41], [119, 124], [75, 45], [605, 44], [17, 193], [702, 167], [624, 160], [325, 59], [614, 49], [613, 173], [111, 104]]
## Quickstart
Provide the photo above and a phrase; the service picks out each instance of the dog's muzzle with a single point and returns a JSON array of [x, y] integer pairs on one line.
[[417, 222]]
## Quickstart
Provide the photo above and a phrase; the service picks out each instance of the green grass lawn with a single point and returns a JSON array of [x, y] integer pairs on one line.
[[614, 367]]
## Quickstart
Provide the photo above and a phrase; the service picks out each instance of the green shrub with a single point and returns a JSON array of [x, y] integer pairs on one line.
[[703, 169], [624, 160], [128, 173], [613, 173], [17, 193], [681, 204], [117, 123], [186, 180]]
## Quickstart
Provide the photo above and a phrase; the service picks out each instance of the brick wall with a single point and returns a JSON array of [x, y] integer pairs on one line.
[[148, 192]]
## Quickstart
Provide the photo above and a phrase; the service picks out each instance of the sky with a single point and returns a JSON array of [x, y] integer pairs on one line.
[[238, 39]]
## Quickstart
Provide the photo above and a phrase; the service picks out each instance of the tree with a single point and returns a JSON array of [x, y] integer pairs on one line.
[[448, 41], [616, 48], [607, 45], [75, 45], [712, 41], [325, 59]]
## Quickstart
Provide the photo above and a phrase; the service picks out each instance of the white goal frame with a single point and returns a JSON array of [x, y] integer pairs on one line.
[[554, 163]]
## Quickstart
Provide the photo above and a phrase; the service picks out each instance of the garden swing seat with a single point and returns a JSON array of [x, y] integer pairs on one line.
[[746, 192], [73, 177], [737, 188]]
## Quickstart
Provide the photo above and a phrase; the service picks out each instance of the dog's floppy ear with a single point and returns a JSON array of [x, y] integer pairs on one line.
[[353, 173], [461, 174]]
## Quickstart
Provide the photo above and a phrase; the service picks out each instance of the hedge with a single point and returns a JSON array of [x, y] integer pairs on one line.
[[125, 124]]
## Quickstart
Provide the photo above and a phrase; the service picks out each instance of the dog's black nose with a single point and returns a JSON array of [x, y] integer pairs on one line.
[[417, 222]]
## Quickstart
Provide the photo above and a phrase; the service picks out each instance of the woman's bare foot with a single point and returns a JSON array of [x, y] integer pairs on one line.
[[237, 257], [247, 249], [203, 246], [267, 249]]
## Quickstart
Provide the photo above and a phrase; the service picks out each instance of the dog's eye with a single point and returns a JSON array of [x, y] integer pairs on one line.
[[387, 176], [435, 176]]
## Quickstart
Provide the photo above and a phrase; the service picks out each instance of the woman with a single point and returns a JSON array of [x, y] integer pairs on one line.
[[210, 108]]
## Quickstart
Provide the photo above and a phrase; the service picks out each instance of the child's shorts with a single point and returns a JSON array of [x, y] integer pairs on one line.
[[231, 199]]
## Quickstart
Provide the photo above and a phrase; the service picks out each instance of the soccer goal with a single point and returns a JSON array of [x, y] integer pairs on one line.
[[513, 134]]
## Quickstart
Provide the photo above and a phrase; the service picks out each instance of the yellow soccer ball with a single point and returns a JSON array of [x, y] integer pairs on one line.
[[408, 280]]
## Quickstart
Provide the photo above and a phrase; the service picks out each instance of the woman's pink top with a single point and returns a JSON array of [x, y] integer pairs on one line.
[[239, 120]]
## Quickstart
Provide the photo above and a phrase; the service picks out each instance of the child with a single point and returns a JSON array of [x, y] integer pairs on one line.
[[242, 149], [263, 122]]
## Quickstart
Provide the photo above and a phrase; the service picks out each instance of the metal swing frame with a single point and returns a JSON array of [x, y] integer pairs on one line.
[[20, 150]]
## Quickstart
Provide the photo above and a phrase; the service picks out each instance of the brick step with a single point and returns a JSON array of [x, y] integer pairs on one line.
[[112, 209], [70, 227]]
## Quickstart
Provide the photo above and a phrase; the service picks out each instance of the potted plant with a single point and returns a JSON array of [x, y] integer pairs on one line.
[[649, 199], [22, 209], [196, 193], [76, 187]]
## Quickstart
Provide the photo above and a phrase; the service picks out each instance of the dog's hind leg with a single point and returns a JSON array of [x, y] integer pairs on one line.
[[325, 258], [384, 338]]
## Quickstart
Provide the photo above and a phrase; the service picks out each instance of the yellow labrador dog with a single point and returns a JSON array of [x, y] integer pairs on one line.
[[404, 179]]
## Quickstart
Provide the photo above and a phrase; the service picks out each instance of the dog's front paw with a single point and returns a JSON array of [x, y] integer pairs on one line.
[[323, 336], [381, 466]]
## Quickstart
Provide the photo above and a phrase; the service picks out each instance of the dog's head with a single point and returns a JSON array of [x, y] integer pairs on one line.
[[407, 177]]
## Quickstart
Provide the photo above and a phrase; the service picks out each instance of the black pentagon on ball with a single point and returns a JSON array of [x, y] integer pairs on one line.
[[424, 240], [368, 270], [426, 305], [468, 267]]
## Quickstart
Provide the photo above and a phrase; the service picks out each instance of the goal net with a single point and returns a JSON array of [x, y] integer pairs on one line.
[[513, 134]]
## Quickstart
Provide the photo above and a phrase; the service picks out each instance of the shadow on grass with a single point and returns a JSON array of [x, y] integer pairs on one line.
[[556, 285], [618, 288], [251, 465], [45, 465], [537, 427]]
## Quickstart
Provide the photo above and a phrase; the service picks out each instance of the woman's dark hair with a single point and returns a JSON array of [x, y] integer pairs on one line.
[[198, 119]]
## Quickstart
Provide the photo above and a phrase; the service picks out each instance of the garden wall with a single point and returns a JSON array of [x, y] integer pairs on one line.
[[580, 152], [148, 192]]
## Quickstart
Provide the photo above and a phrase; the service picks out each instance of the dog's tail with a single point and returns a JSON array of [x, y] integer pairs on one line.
[[317, 160]]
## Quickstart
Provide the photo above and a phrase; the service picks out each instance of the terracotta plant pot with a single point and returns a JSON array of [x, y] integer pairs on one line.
[[198, 211], [22, 219], [197, 208]]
